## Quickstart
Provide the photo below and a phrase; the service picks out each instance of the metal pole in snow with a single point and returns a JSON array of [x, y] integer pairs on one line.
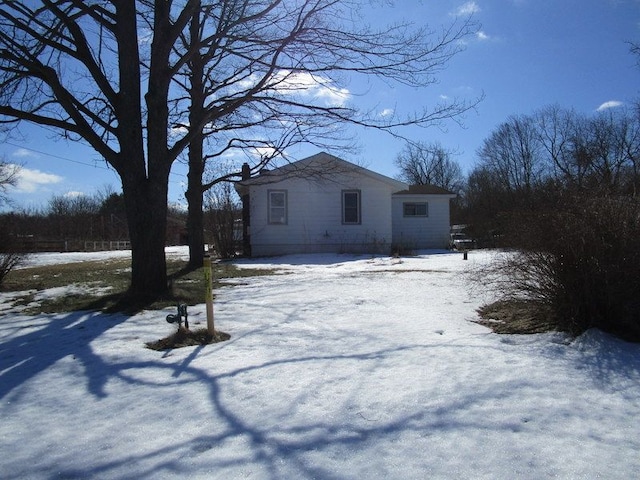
[[208, 295]]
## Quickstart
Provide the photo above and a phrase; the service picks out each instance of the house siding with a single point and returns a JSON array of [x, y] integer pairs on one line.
[[314, 222], [314, 189], [417, 232]]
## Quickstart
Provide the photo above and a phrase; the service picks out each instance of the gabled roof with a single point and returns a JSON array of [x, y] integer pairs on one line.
[[425, 190], [319, 166]]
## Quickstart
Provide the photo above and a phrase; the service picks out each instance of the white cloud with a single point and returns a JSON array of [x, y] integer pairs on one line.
[[609, 104], [387, 112], [74, 194], [469, 8], [30, 180], [482, 36], [311, 85], [259, 153], [332, 96], [24, 153], [286, 82]]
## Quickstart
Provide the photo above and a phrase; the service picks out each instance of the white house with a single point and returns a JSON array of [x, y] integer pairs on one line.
[[325, 204]]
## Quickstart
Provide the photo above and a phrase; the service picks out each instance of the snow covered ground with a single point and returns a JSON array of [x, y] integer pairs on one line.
[[34, 260], [342, 367]]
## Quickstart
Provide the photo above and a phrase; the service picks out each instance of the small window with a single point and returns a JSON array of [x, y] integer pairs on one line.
[[351, 207], [415, 209], [277, 207]]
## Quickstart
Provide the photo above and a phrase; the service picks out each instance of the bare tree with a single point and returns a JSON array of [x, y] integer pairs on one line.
[[8, 178], [429, 164], [223, 212], [120, 76], [9, 257], [558, 130], [596, 152], [629, 144], [612, 144], [512, 152]]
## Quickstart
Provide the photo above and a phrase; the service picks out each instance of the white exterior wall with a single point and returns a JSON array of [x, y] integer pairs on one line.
[[417, 233], [314, 217]]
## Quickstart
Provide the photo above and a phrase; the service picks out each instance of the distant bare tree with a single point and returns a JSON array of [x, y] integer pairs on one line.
[[429, 164], [558, 130], [599, 152], [513, 153], [8, 178], [73, 205], [612, 143]]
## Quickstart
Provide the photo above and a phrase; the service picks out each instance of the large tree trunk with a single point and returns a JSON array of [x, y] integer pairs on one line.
[[195, 215], [146, 189], [146, 203], [144, 184]]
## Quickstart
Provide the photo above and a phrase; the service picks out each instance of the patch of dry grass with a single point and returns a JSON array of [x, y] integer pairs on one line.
[[102, 285], [517, 317], [188, 338]]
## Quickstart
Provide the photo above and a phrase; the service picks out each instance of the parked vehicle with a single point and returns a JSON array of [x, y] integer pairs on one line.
[[460, 241]]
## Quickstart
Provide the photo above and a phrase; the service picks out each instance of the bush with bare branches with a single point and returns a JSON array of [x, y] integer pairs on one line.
[[10, 256], [579, 263], [222, 219]]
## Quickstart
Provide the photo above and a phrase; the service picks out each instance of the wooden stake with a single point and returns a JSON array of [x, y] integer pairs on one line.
[[208, 295]]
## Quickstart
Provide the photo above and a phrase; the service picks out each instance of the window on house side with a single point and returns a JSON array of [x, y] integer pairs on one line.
[[277, 207], [412, 209], [351, 207]]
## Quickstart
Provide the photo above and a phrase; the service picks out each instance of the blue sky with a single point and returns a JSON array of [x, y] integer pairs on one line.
[[527, 55]]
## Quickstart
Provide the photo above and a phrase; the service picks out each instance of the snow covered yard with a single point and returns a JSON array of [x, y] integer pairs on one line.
[[342, 367]]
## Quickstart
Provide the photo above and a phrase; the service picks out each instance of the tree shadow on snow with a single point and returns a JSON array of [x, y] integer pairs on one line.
[[51, 338], [612, 363], [277, 451], [267, 448]]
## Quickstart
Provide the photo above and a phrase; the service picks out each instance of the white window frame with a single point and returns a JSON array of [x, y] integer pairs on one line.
[[415, 205], [358, 207], [277, 214]]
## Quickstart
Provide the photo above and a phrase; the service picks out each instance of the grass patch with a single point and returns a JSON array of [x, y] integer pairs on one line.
[[102, 285], [188, 338], [517, 317]]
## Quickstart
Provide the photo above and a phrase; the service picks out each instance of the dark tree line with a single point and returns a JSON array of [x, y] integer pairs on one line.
[[98, 222], [538, 161], [71, 219]]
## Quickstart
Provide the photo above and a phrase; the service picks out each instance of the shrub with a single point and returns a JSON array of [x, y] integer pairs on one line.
[[8, 261], [10, 256], [224, 234], [581, 261]]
